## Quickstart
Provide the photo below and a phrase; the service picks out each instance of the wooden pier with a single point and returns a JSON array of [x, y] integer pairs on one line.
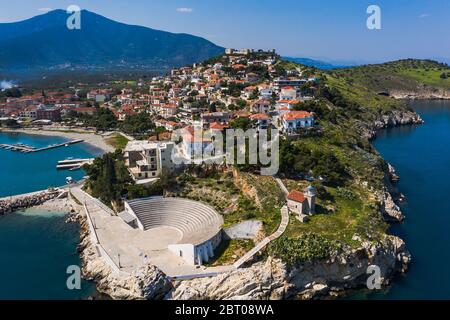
[[20, 147]]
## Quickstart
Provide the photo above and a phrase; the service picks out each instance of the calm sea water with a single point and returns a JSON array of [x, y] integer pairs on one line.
[[421, 156], [37, 246], [27, 172]]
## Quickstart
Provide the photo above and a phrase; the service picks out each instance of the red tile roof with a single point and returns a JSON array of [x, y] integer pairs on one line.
[[290, 101], [218, 126], [262, 102], [259, 116], [189, 135], [296, 196], [295, 115]]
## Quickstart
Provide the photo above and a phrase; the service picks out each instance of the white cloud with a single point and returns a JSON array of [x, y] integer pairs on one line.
[[424, 15], [185, 10], [45, 9]]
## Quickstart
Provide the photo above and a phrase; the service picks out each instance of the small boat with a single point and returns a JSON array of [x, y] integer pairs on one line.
[[69, 180]]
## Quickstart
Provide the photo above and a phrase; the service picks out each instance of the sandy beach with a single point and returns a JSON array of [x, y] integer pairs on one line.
[[95, 140]]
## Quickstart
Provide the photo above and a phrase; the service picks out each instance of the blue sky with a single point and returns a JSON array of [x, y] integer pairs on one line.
[[326, 29]]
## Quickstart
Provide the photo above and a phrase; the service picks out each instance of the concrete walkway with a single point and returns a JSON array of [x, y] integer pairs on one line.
[[282, 186], [281, 229]]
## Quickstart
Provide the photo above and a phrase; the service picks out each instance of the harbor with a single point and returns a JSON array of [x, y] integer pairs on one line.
[[21, 147]]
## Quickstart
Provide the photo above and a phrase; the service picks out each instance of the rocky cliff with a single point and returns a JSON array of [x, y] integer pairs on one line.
[[272, 279], [422, 93], [393, 119]]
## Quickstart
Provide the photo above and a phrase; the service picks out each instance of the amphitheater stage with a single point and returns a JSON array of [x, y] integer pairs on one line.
[[199, 225], [157, 239]]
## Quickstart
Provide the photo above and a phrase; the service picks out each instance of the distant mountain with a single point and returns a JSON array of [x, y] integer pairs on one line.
[[316, 63], [45, 43]]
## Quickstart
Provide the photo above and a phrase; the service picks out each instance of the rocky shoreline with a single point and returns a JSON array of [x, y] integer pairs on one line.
[[389, 197], [393, 119], [424, 93], [269, 279], [272, 279]]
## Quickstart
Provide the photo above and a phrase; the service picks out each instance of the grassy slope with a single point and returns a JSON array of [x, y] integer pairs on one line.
[[398, 75], [341, 216], [118, 141]]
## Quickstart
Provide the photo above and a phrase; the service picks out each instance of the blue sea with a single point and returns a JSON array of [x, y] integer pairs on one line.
[[37, 246], [421, 155]]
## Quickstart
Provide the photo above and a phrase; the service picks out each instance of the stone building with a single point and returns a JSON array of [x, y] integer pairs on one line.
[[302, 203]]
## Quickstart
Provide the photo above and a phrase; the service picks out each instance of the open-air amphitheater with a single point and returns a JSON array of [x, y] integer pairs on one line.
[[177, 235], [189, 229]]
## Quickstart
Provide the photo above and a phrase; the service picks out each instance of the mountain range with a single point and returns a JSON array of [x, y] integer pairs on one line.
[[44, 43]]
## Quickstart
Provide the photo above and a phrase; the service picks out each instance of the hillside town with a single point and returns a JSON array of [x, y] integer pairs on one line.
[[245, 87]]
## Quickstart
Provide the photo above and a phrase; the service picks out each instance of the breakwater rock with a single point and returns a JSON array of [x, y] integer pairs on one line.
[[27, 201]]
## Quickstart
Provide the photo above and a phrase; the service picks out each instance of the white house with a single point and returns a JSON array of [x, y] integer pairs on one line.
[[146, 160], [266, 93], [262, 120], [295, 120], [287, 104], [261, 106], [288, 93]]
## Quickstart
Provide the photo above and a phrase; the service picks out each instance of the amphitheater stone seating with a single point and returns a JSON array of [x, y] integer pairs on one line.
[[196, 221]]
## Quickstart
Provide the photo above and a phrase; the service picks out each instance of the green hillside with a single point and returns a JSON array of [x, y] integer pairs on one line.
[[408, 75]]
